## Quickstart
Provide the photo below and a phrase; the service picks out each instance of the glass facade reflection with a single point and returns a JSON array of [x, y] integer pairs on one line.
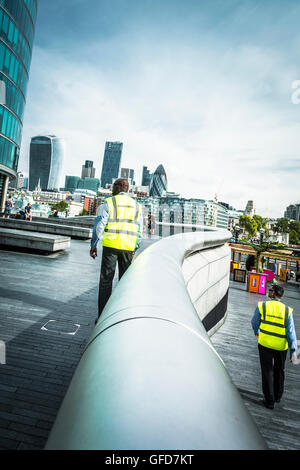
[[111, 162], [17, 24], [71, 183], [158, 183], [185, 211], [146, 176], [45, 162]]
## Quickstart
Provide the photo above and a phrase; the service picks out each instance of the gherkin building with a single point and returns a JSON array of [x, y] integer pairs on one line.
[[158, 183]]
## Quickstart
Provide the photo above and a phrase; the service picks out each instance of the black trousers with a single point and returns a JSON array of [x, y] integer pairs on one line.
[[110, 257], [272, 364]]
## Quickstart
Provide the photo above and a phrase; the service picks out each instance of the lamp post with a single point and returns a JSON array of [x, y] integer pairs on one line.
[[262, 232], [237, 231]]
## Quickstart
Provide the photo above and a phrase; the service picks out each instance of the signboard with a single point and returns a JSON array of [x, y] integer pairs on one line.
[[239, 275]]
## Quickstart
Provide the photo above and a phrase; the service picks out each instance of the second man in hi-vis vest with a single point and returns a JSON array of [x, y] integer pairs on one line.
[[120, 221], [273, 324]]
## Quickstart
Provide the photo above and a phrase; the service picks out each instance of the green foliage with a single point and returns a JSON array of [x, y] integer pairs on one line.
[[249, 224], [294, 237], [61, 206], [264, 247], [288, 226], [281, 226], [84, 212], [261, 223]]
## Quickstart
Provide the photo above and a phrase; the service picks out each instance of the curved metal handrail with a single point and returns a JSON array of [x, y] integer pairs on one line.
[[149, 377]]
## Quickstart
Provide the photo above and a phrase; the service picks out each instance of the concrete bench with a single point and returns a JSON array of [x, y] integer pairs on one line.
[[81, 233], [74, 221], [32, 241]]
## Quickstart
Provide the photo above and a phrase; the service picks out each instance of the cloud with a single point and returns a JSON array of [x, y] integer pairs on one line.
[[216, 111]]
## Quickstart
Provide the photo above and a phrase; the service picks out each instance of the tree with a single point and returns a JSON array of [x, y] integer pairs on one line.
[[261, 223], [292, 227], [281, 226], [249, 224], [264, 247], [61, 206], [294, 237], [84, 212]]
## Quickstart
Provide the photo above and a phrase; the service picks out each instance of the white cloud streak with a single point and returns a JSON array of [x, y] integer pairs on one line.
[[219, 118]]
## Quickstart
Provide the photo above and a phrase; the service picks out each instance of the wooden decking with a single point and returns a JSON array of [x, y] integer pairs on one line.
[[59, 292], [237, 345]]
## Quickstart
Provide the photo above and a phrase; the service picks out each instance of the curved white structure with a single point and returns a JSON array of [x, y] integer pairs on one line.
[[150, 377]]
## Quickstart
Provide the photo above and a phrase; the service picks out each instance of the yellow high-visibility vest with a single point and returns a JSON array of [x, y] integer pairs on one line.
[[272, 330], [121, 230]]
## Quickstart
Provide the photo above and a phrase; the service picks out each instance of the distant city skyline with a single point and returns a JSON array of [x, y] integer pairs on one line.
[[204, 88]]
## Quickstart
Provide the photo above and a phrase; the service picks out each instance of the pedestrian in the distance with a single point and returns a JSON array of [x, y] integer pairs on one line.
[[120, 221], [273, 324], [8, 207], [28, 215]]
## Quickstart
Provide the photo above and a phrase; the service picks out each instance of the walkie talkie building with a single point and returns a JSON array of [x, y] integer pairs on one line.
[[17, 25], [45, 162]]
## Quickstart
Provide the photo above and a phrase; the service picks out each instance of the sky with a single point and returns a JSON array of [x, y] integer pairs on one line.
[[210, 89]]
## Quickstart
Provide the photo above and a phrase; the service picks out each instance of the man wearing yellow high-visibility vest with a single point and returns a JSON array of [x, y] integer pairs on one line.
[[274, 326], [120, 221]]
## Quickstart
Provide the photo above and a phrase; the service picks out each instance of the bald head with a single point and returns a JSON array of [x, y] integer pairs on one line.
[[121, 185]]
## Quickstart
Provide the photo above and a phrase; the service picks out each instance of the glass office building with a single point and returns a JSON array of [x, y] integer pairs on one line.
[[45, 162], [92, 184], [146, 176], [17, 24], [111, 162], [158, 183], [185, 211], [71, 183], [88, 170]]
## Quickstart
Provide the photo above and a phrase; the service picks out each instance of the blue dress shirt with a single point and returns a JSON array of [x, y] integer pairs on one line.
[[290, 329], [101, 221]]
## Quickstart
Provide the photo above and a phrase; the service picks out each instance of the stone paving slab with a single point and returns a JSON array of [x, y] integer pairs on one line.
[[36, 290]]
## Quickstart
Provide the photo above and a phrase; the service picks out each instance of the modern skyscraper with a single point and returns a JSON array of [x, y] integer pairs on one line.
[[17, 24], [111, 162], [71, 183], [250, 209], [45, 162], [88, 171], [159, 182], [146, 176], [89, 183], [128, 174], [293, 212], [18, 183]]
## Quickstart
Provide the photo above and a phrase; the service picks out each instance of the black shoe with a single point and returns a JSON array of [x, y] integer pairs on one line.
[[268, 405]]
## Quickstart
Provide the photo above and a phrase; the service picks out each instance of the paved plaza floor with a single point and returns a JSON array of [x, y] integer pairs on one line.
[[48, 305]]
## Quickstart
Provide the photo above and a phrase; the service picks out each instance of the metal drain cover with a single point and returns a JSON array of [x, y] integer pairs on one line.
[[61, 327]]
